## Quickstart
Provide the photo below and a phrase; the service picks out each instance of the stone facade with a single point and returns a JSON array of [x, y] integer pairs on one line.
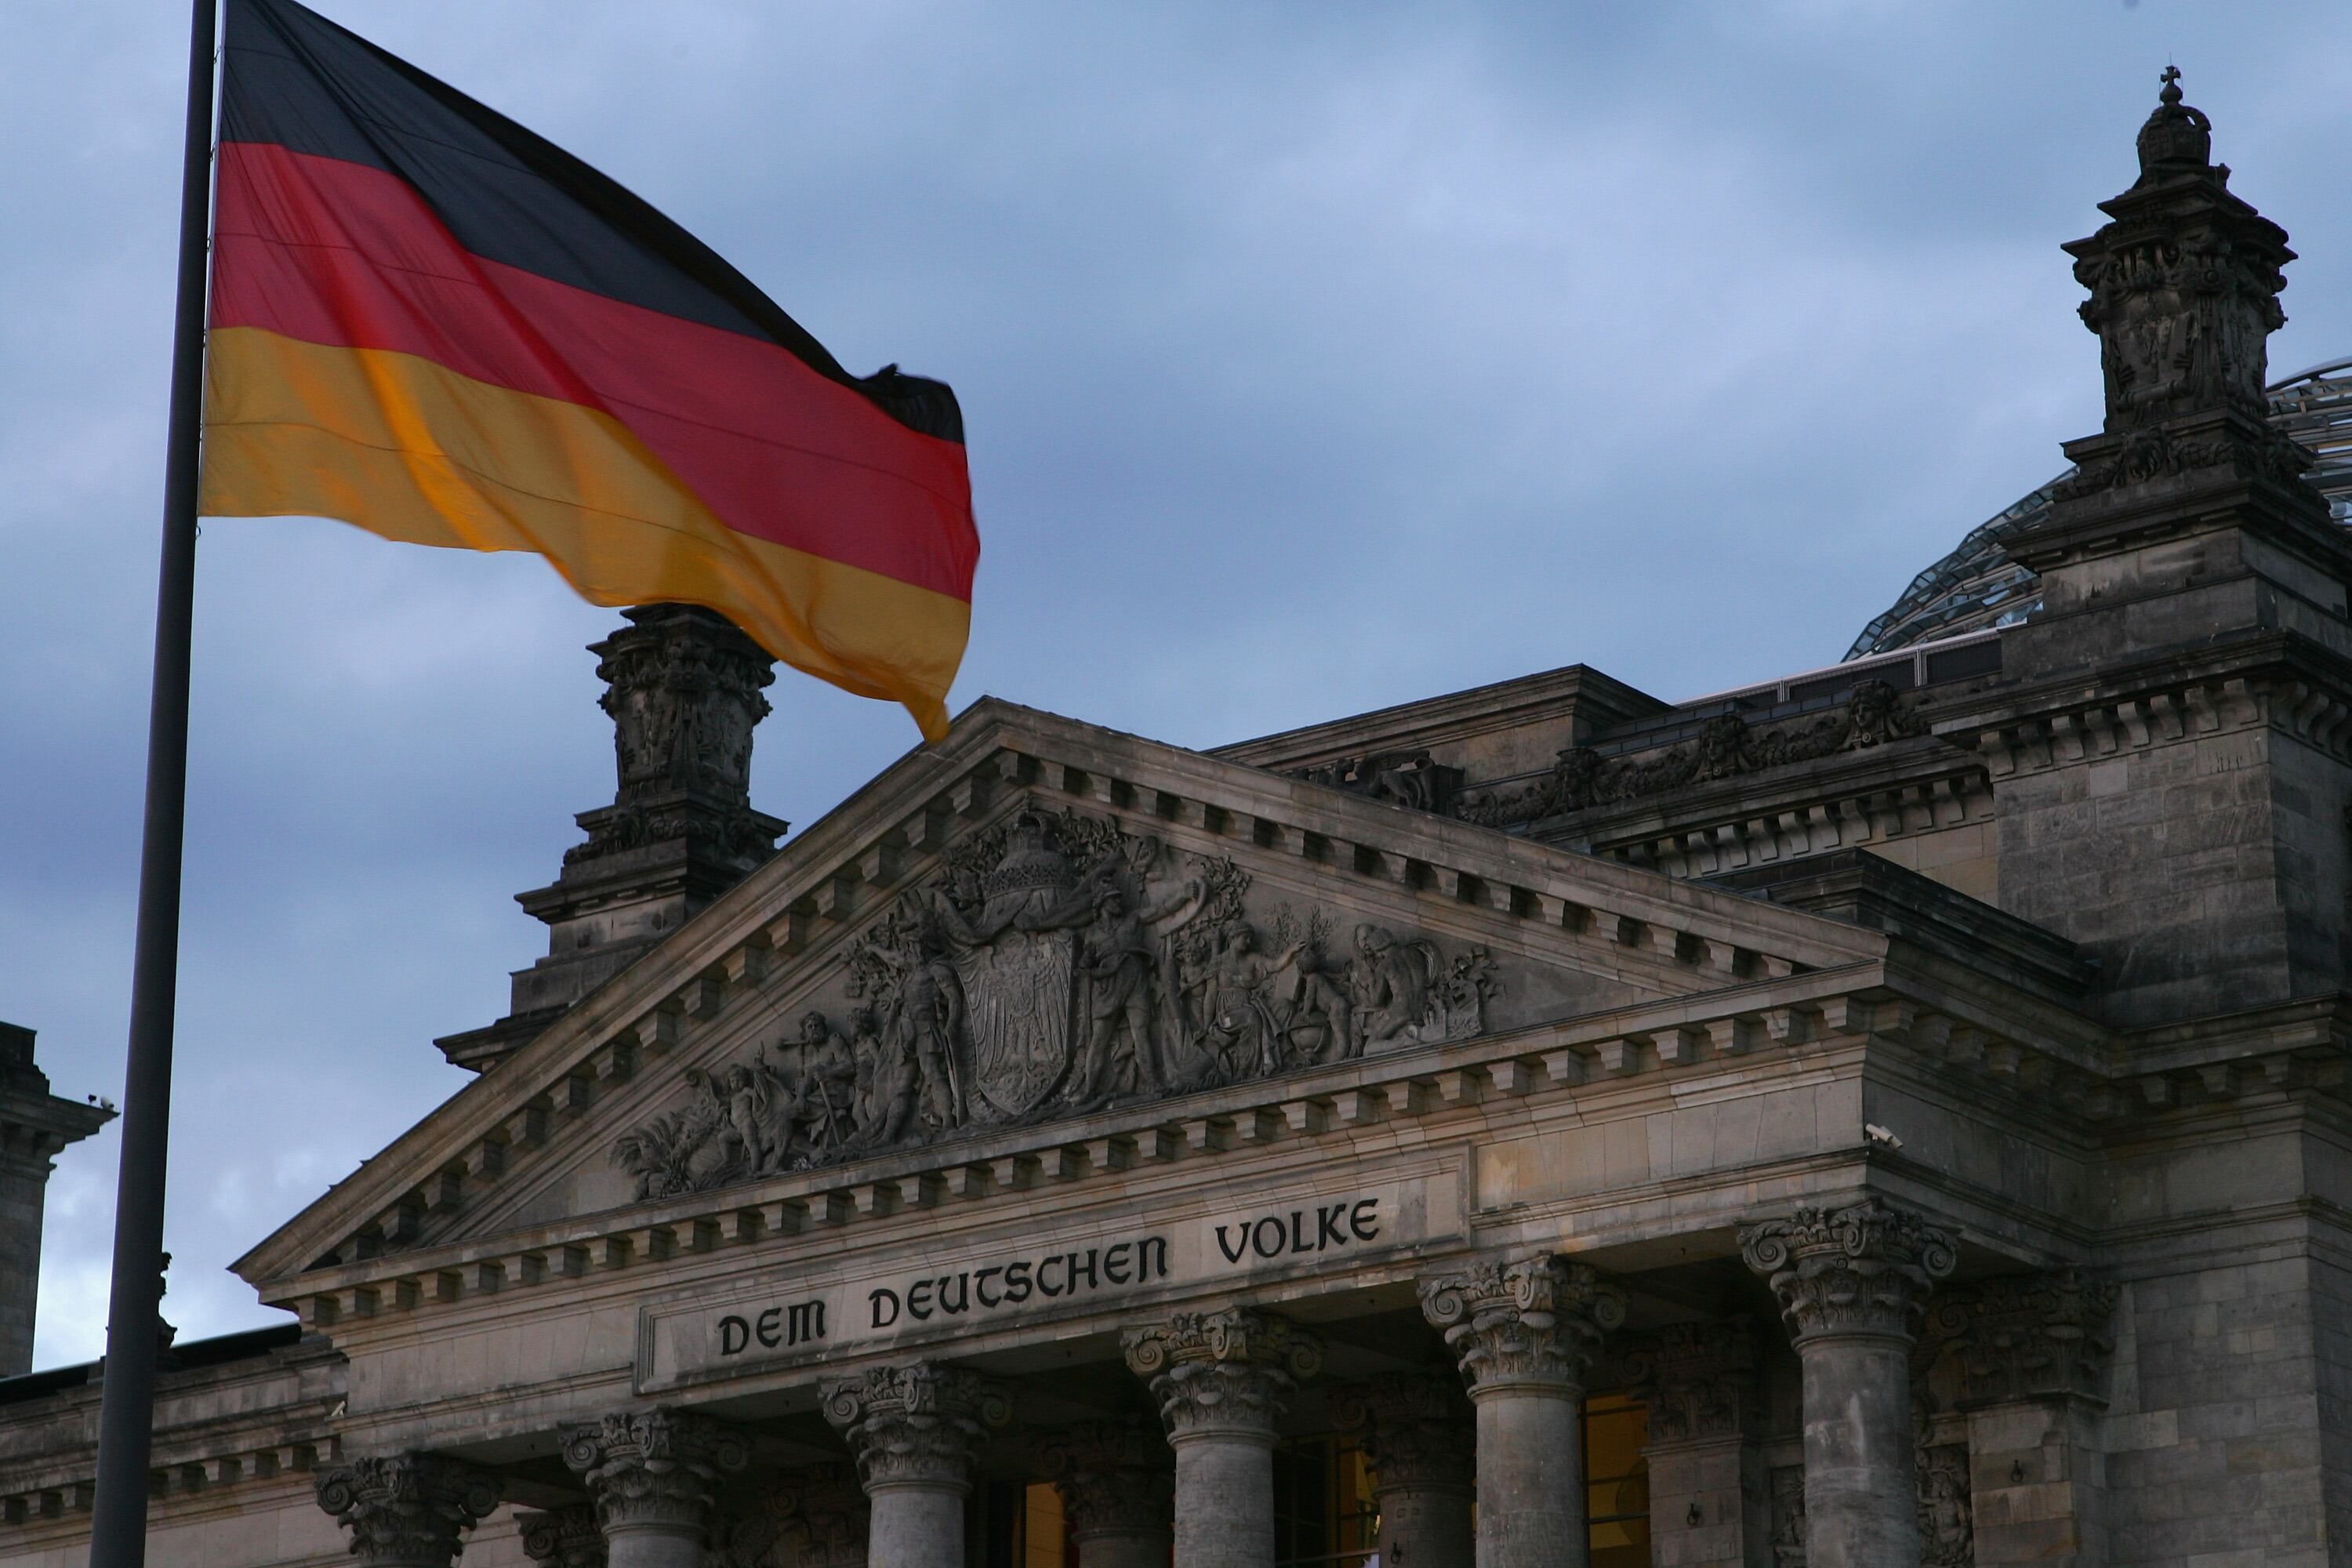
[[1911, 1095]]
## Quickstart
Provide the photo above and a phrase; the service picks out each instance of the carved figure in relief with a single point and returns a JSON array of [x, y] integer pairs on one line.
[[825, 1106], [926, 1023], [1390, 987], [1120, 964], [1056, 964]]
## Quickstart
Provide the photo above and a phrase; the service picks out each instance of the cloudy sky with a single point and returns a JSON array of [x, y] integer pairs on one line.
[[1314, 356]]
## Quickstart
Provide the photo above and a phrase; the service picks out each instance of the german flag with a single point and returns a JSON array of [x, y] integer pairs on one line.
[[430, 322]]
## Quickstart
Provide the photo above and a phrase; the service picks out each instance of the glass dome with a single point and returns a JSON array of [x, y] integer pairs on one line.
[[1977, 586]]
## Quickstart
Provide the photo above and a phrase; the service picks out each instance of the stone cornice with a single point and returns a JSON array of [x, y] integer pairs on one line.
[[808, 898], [1981, 1032], [1554, 694], [2235, 681]]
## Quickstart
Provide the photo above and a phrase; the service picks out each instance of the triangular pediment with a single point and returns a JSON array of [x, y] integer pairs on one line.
[[1036, 920]]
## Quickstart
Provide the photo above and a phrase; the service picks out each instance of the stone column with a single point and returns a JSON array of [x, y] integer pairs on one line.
[[653, 1474], [407, 1511], [1220, 1379], [1118, 1491], [2030, 1350], [1852, 1284], [914, 1429], [1710, 1501], [568, 1537], [1415, 1428], [821, 1515], [1525, 1334]]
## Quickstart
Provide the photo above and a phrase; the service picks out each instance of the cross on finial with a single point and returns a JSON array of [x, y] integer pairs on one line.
[[2171, 93]]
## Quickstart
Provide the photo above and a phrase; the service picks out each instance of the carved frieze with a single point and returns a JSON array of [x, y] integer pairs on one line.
[[407, 1509], [1865, 1268], [1527, 1327], [1116, 1477], [916, 1424], [1056, 965], [657, 1468], [1224, 1372], [1728, 746], [1415, 1428]]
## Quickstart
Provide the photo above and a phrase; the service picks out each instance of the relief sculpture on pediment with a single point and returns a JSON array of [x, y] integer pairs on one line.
[[1057, 964]]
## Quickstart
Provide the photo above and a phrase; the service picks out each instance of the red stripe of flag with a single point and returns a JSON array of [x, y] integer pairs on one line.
[[337, 253]]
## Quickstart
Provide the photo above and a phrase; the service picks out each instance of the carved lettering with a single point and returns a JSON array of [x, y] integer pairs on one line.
[[771, 1326], [881, 1296], [734, 1334]]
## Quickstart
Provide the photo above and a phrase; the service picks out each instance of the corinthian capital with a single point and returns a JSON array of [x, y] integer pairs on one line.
[[2034, 1336], [1116, 1477], [406, 1510], [821, 1516], [1415, 1428], [568, 1537], [654, 1469], [1226, 1372], [1698, 1380], [1865, 1268], [914, 1425], [1527, 1327]]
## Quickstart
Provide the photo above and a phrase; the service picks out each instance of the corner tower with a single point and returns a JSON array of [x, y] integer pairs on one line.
[[682, 686], [2170, 751], [35, 1126]]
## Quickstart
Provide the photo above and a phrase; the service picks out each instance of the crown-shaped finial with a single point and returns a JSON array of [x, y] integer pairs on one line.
[[2177, 138]]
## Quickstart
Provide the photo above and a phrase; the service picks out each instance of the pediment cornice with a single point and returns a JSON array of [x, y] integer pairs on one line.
[[804, 907]]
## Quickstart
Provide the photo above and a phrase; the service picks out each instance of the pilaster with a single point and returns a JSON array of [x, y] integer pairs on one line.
[[2032, 1351], [1417, 1433], [821, 1515], [1710, 1500], [407, 1511]]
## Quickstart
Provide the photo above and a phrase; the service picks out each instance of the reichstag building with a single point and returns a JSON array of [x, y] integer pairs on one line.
[[1892, 1115]]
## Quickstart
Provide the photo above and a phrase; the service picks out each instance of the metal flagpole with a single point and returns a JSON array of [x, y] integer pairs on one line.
[[126, 1415]]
